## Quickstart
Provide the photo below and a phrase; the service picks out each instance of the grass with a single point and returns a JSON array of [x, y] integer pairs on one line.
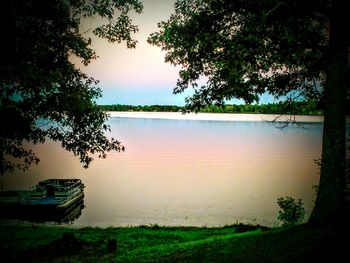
[[172, 244]]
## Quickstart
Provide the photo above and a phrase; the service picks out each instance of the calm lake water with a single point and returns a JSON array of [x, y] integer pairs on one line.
[[187, 172]]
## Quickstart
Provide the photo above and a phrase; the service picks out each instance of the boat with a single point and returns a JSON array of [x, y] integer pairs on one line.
[[49, 198]]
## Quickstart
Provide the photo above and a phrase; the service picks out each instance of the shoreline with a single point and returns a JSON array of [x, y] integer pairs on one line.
[[214, 116]]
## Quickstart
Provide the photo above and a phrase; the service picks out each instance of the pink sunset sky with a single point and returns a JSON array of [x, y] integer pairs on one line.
[[136, 76]]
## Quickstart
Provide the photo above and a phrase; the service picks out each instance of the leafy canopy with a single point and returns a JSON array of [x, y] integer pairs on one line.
[[42, 93], [244, 48]]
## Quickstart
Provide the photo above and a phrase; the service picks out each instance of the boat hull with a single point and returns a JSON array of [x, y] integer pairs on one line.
[[50, 200], [42, 213]]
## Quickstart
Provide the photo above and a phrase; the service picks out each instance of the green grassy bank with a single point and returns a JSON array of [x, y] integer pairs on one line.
[[172, 244]]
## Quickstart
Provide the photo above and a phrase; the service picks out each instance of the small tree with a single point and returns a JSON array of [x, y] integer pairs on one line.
[[292, 211]]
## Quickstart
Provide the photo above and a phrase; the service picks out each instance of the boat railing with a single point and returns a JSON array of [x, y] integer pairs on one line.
[[37, 188], [72, 184], [61, 187], [59, 183]]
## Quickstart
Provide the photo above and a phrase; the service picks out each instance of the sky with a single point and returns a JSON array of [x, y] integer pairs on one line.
[[137, 76]]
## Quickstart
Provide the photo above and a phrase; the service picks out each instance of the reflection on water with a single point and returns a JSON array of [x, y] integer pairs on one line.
[[177, 172], [67, 216]]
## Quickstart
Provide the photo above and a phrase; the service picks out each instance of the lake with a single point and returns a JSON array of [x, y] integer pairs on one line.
[[188, 172]]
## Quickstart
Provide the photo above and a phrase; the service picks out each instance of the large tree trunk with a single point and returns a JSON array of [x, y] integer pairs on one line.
[[330, 206]]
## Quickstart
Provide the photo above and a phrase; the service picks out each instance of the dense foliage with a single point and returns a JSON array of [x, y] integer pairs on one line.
[[298, 108], [42, 93], [291, 211], [244, 49]]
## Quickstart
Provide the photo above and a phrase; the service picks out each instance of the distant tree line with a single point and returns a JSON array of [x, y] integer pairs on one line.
[[298, 108], [158, 108]]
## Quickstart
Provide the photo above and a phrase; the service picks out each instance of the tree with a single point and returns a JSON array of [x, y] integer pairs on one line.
[[288, 48], [43, 95]]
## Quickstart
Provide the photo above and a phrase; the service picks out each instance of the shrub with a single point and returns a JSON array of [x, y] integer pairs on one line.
[[292, 211]]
